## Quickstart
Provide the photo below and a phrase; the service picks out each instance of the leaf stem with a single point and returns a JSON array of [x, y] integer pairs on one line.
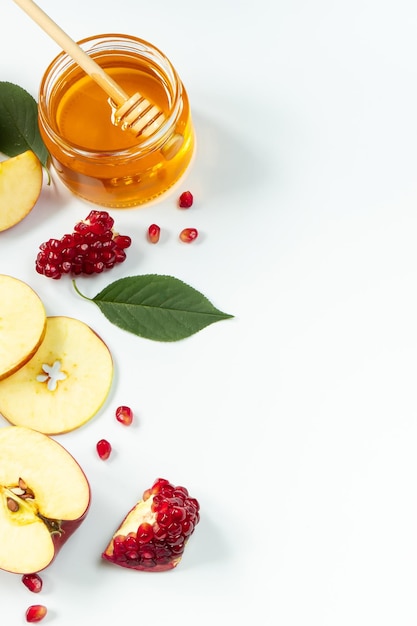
[[79, 292]]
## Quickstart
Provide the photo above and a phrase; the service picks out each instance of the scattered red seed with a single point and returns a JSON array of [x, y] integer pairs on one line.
[[153, 233], [188, 235], [124, 415], [103, 449], [33, 582], [36, 612], [186, 200]]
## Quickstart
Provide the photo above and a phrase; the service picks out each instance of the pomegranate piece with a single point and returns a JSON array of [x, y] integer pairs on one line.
[[91, 248], [36, 613], [154, 232], [33, 582], [124, 415], [185, 200], [153, 535], [103, 449], [187, 235]]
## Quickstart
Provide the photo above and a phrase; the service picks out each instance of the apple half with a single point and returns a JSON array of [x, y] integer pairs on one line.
[[64, 384], [21, 180], [22, 324], [44, 497]]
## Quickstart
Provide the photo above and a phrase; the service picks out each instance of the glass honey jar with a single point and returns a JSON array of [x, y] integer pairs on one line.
[[95, 158]]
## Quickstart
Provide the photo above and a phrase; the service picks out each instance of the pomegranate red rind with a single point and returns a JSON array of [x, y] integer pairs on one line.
[[153, 535]]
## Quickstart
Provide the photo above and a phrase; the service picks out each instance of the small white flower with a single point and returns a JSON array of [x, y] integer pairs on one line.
[[53, 375]]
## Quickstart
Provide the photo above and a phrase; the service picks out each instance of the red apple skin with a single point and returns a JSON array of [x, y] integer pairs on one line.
[[68, 528]]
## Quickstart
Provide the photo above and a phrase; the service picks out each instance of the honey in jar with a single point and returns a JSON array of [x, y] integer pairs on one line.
[[93, 157]]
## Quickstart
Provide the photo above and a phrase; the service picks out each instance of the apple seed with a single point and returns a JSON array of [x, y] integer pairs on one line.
[[12, 505]]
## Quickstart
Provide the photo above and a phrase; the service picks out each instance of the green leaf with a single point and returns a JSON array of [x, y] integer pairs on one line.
[[162, 308], [19, 130]]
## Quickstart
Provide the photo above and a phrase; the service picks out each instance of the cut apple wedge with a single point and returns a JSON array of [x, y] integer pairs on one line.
[[21, 180], [64, 384], [22, 324], [44, 497]]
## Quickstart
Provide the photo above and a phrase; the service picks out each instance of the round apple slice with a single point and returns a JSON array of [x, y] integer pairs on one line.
[[64, 384], [22, 324], [44, 497], [21, 180]]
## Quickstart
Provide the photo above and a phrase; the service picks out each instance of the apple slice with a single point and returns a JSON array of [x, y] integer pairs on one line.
[[23, 324], [21, 180], [153, 535], [44, 497], [64, 384]]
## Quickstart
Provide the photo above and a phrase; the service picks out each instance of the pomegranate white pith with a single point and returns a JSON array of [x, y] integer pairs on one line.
[[44, 496], [153, 535]]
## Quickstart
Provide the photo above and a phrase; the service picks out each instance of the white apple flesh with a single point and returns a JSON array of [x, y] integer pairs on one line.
[[64, 384], [44, 497], [23, 324], [21, 180]]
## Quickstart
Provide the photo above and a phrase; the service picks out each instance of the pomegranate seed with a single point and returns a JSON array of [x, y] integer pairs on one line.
[[186, 200], [103, 449], [124, 415], [158, 545], [122, 241], [91, 248], [188, 235], [154, 232], [35, 613], [33, 582]]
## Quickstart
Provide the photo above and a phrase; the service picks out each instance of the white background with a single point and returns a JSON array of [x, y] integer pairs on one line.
[[294, 423]]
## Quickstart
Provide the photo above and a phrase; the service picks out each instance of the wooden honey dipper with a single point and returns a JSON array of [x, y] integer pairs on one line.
[[134, 113]]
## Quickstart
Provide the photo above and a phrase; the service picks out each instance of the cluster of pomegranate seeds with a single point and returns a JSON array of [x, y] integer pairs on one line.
[[33, 582], [103, 449], [154, 232], [124, 415], [92, 248], [159, 545], [36, 613], [187, 235], [185, 200]]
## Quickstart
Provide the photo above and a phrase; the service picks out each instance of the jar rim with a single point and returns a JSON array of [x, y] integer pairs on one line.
[[106, 42]]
